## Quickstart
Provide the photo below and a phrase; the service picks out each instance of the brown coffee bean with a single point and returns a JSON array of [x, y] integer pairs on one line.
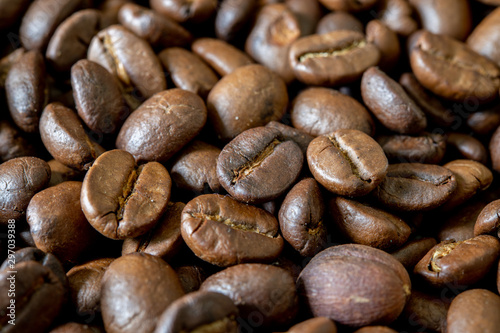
[[195, 11], [335, 58], [494, 148], [200, 310], [390, 104], [301, 138], [339, 20], [428, 148], [459, 226], [474, 311], [136, 289], [484, 122], [110, 10], [468, 147], [314, 325], [11, 12], [97, 97], [386, 41], [122, 200], [427, 311], [321, 111], [191, 277], [7, 62], [60, 173], [259, 165], [188, 71], [162, 125], [375, 329], [397, 15], [488, 221], [411, 252], [158, 30], [347, 162], [301, 218], [459, 263], [350, 284], [224, 58], [20, 179], [76, 328], [25, 90], [261, 292], [348, 5], [486, 35], [452, 70], [72, 39], [308, 14], [13, 142], [66, 139], [224, 232], [232, 16], [415, 187]]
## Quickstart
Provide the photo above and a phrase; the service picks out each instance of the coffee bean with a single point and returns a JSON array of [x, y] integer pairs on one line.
[[386, 41], [485, 35], [411, 252], [339, 20], [427, 311], [314, 325], [110, 10], [347, 162], [494, 149], [484, 122], [76, 328], [232, 16], [61, 173], [428, 148], [459, 226], [398, 16], [468, 147], [259, 165], [195, 11], [348, 5], [307, 13], [11, 12], [375, 329], [488, 221], [7, 62], [191, 277], [122, 200], [224, 232], [13, 142], [301, 138]]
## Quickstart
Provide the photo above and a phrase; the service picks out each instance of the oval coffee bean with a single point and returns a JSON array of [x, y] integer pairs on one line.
[[232, 16], [484, 122], [349, 284], [485, 36], [338, 57], [162, 125], [375, 329], [338, 20], [428, 148], [194, 11], [13, 142], [415, 186], [398, 16], [427, 311], [11, 11], [410, 253], [348, 5], [314, 325], [386, 41], [259, 165], [347, 162], [459, 226], [301, 138], [60, 173], [191, 277], [488, 221], [224, 232], [468, 147], [73, 327]]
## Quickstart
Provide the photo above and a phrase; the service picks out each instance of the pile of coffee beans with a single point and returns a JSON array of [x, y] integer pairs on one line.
[[252, 166]]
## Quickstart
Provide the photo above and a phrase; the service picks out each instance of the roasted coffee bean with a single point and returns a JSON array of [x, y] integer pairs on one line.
[[164, 240], [308, 14], [158, 30], [350, 284], [110, 10], [459, 263], [13, 142], [73, 327], [348, 5], [415, 187], [38, 294], [347, 162], [375, 329], [452, 70], [301, 138], [57, 223], [259, 291], [488, 221], [66, 139], [411, 252], [474, 311], [428, 148], [426, 311], [195, 168], [199, 311], [485, 35], [232, 16], [390, 104], [224, 58], [97, 97], [25, 89], [60, 173], [386, 41], [459, 226], [162, 125], [321, 111], [494, 148], [11, 12], [195, 11], [468, 147], [122, 200], [331, 59], [339, 20], [20, 179], [367, 225], [484, 122], [397, 15], [301, 218], [136, 289], [314, 325], [72, 39], [224, 232], [191, 277], [7, 62], [188, 71], [85, 285], [259, 165]]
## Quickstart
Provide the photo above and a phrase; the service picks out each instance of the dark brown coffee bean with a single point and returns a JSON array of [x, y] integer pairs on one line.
[[459, 225], [122, 200], [188, 71], [459, 263], [484, 122], [11, 11], [194, 11], [136, 289], [110, 10], [259, 165], [261, 292], [347, 162], [366, 225], [61, 173], [474, 311], [25, 89], [488, 221], [224, 58], [390, 104], [57, 223], [191, 277], [350, 284], [164, 240], [397, 15], [162, 125], [335, 58], [13, 142], [415, 187], [386, 41], [76, 328], [426, 311], [72, 39], [232, 16], [224, 232], [321, 111], [348, 5], [20, 179], [85, 285], [199, 311], [468, 147], [97, 97], [301, 218], [411, 253], [339, 20], [66, 139], [195, 168], [301, 138], [485, 35], [375, 329], [314, 325], [158, 30], [452, 70], [7, 62], [428, 148], [494, 148]]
